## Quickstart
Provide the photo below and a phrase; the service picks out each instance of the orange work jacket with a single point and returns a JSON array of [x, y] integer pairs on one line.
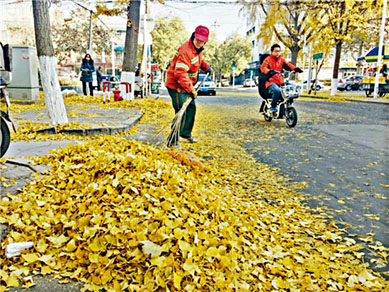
[[184, 69], [277, 64]]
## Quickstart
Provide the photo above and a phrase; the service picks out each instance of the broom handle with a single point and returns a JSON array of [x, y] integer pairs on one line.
[[202, 81], [188, 101]]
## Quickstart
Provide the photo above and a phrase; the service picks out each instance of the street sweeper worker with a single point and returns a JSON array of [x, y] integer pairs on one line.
[[182, 75], [271, 65]]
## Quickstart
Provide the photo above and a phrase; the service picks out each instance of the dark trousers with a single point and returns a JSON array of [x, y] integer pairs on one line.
[[84, 88], [187, 122], [275, 91]]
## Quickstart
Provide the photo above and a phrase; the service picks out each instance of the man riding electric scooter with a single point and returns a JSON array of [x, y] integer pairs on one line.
[[272, 65]]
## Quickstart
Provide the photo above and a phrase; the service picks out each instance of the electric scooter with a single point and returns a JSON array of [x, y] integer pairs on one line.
[[289, 92]]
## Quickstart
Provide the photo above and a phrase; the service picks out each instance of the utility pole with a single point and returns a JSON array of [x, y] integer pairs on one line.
[[90, 31], [305, 51], [233, 73], [90, 25], [310, 67], [113, 57]]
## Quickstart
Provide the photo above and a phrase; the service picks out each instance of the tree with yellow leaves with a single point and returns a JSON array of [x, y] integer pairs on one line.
[[285, 21], [342, 19]]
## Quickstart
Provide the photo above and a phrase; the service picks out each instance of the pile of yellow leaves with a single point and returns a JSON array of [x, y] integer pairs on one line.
[[116, 214]]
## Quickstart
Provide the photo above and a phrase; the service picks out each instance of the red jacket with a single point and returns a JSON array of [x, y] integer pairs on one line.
[[277, 64], [184, 69]]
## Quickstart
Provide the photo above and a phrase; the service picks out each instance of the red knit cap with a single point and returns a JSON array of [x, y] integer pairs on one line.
[[201, 33]]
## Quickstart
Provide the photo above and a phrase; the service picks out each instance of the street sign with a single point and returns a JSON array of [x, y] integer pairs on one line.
[[318, 56]]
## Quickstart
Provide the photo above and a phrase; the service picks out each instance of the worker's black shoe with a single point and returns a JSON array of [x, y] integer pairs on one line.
[[190, 139]]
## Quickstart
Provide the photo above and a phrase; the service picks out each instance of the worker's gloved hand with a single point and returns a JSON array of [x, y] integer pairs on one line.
[[298, 70], [209, 70], [193, 93], [272, 72]]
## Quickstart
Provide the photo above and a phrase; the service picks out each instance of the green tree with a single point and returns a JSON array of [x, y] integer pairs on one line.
[[233, 49], [168, 35]]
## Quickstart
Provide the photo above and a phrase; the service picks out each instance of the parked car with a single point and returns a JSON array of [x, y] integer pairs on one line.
[[249, 83], [352, 82], [319, 85], [208, 87]]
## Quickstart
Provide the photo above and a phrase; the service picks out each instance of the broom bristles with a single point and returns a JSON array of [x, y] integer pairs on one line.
[[176, 123]]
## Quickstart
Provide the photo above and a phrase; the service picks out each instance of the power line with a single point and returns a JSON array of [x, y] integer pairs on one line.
[[202, 2]]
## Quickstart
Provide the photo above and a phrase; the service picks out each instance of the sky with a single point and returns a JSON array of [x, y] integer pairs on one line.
[[224, 19]]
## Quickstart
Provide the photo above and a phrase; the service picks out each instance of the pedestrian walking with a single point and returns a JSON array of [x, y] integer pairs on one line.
[[385, 72], [273, 63], [99, 78], [87, 69], [181, 77]]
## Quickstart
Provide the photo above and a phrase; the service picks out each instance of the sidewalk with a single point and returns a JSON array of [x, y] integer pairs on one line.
[[96, 121]]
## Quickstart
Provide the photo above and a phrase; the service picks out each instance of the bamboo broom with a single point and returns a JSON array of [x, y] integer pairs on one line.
[[176, 122]]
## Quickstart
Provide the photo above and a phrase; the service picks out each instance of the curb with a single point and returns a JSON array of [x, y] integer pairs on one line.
[[318, 97], [93, 131], [383, 102], [26, 102]]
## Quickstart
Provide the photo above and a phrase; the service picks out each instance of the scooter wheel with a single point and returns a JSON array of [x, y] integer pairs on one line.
[[267, 118], [291, 117], [5, 138]]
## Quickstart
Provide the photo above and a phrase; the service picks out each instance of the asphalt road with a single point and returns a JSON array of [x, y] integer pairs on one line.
[[341, 150]]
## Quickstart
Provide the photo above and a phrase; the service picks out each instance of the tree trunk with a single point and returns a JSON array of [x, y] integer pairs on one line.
[[359, 65], [294, 50], [131, 45], [334, 83], [48, 64]]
